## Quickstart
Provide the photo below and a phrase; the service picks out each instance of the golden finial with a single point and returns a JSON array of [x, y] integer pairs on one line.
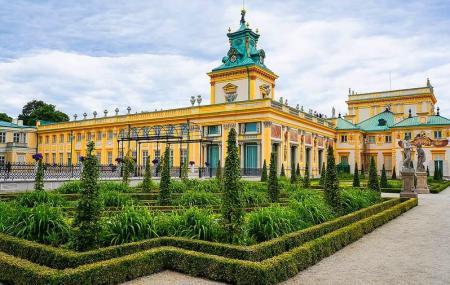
[[229, 29], [257, 31]]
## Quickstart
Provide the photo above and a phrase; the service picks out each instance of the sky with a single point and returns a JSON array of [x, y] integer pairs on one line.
[[85, 56]]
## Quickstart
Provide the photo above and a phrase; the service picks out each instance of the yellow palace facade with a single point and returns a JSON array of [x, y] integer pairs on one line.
[[243, 96]]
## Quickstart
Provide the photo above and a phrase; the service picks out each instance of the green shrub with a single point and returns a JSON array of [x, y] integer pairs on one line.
[[191, 184], [306, 181], [39, 178], [373, 183], [355, 199], [114, 186], [41, 223], [200, 224], [331, 189], [273, 185], [271, 222], [177, 186], [208, 185], [35, 198], [264, 172], [115, 199], [312, 209], [148, 184], [164, 185], [71, 187], [356, 181], [198, 198], [7, 210], [254, 198], [253, 186], [131, 224], [383, 181]]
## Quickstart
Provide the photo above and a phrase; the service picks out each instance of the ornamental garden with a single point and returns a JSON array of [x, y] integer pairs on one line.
[[224, 228]]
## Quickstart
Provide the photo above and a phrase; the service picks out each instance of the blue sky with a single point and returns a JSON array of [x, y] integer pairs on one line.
[[94, 55]]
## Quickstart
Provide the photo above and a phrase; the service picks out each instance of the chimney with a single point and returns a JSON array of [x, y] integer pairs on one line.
[[14, 121], [20, 122]]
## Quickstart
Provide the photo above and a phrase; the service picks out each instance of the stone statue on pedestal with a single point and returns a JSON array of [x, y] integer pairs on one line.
[[420, 159], [407, 172]]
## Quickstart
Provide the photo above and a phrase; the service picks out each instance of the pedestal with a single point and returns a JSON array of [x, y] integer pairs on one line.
[[408, 190], [422, 183]]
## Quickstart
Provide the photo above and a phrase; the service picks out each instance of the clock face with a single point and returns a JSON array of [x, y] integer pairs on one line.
[[233, 58]]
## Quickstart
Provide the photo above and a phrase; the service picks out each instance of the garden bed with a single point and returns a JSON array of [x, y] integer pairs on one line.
[[269, 262]]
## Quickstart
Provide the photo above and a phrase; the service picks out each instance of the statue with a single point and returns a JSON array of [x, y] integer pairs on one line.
[[407, 162], [420, 158], [333, 112]]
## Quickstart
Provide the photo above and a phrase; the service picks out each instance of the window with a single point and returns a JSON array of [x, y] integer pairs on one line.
[[110, 157], [61, 158], [69, 158], [99, 157], [251, 128], [79, 137], [78, 157], [90, 136], [54, 139], [110, 135], [46, 157], [46, 139], [213, 130], [183, 156], [157, 154], [344, 159], [40, 139], [16, 137], [343, 138], [2, 137], [69, 138], [99, 136], [54, 158], [61, 138], [388, 139], [2, 160], [437, 134], [144, 157], [371, 139], [407, 136], [171, 158]]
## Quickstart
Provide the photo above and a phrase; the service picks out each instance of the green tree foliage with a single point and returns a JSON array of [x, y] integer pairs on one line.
[[282, 172], [39, 179], [373, 183], [164, 185], [127, 168], [363, 173], [264, 172], [293, 174], [219, 175], [39, 110], [147, 183], [394, 173], [356, 182], [384, 181], [232, 212], [323, 174], [4, 117], [273, 189], [331, 189], [306, 182], [87, 218]]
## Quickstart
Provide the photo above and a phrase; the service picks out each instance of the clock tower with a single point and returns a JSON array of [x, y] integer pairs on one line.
[[243, 74]]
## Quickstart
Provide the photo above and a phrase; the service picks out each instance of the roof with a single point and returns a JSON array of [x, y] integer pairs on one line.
[[381, 122], [12, 125], [433, 120], [342, 124]]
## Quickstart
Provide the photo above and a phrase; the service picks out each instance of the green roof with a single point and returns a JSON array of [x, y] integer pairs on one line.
[[342, 124], [12, 125], [415, 121], [381, 122], [243, 48]]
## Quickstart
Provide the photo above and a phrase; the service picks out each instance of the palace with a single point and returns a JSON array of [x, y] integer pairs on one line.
[[243, 96]]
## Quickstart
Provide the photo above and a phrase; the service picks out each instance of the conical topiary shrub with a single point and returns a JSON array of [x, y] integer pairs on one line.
[[323, 174], [164, 184], [394, 174], [356, 182], [306, 182], [331, 188], [264, 172], [282, 173], [373, 183], [273, 189], [383, 181]]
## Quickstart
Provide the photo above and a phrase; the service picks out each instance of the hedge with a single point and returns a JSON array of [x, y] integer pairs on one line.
[[269, 271], [61, 258]]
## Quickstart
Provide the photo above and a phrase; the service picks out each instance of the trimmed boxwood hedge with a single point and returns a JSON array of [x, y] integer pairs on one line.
[[269, 271], [61, 258]]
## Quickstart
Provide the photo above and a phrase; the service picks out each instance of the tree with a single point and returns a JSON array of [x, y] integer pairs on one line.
[[373, 183], [232, 212], [127, 168], [5, 118], [264, 172], [428, 171], [39, 110], [383, 181], [394, 173], [331, 189], [282, 173], [273, 189], [356, 182], [297, 173], [87, 218], [306, 182], [185, 172], [436, 172], [219, 172], [322, 175], [293, 175], [39, 179], [164, 185], [147, 183], [363, 175]]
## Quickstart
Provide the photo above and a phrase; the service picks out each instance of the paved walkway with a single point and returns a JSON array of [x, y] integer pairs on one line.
[[412, 249]]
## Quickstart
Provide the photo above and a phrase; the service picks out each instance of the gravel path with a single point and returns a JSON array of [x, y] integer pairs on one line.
[[412, 249]]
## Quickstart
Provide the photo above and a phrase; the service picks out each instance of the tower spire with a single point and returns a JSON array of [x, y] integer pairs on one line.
[[243, 17]]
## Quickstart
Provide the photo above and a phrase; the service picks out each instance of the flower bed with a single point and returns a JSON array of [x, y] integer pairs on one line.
[[26, 262]]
